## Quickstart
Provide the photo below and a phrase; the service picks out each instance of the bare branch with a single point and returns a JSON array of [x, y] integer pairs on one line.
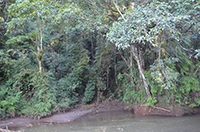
[[118, 9], [197, 69], [102, 5], [92, 4], [188, 28], [111, 10], [124, 59], [128, 75], [109, 7], [33, 41], [189, 50], [34, 52]]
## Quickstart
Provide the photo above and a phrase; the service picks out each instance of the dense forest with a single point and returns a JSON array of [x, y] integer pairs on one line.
[[56, 54]]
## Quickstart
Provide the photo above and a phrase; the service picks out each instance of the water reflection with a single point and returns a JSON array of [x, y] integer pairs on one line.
[[124, 122]]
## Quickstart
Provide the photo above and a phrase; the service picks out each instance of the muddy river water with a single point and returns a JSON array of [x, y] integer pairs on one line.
[[123, 122]]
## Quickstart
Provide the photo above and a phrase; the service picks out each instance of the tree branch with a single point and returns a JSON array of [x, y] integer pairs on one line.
[[102, 5], [92, 4], [40, 36], [189, 50], [118, 9], [188, 28], [124, 59], [111, 10]]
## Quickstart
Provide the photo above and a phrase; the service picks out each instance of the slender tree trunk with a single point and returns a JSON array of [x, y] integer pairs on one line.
[[131, 68], [107, 76], [40, 66], [140, 56], [92, 48], [136, 56], [115, 62], [40, 50], [39, 58]]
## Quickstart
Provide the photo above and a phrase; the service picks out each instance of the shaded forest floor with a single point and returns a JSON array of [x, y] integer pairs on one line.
[[91, 109]]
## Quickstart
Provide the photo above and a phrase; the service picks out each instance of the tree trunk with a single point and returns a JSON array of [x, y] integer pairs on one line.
[[107, 76], [143, 79], [40, 65], [131, 68], [40, 50], [141, 56], [115, 62]]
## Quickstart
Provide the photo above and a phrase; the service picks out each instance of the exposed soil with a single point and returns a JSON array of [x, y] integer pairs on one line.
[[165, 111], [69, 116], [76, 113]]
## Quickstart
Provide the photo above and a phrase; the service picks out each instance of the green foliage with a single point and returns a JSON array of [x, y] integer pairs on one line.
[[24, 91], [162, 80], [80, 65], [186, 93], [144, 23], [43, 99], [163, 75], [65, 90], [12, 81], [131, 93], [89, 92], [155, 23], [151, 101], [188, 84], [132, 96], [9, 102]]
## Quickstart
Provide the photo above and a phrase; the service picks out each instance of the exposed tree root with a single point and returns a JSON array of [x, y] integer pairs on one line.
[[161, 108]]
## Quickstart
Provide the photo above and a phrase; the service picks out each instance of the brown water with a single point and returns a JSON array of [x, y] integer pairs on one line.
[[124, 122]]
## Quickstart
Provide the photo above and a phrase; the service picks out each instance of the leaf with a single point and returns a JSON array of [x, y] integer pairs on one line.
[[57, 41], [1, 19], [52, 42], [4, 102]]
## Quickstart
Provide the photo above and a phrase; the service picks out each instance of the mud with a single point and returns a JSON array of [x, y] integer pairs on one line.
[[73, 114]]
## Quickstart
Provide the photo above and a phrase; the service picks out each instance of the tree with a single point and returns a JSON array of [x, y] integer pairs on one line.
[[153, 23], [33, 22], [33, 26]]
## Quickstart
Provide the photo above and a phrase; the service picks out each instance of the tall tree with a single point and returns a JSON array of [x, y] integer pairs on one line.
[[149, 23], [33, 21]]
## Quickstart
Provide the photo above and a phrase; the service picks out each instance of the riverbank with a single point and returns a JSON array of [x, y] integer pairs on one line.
[[73, 114], [69, 116]]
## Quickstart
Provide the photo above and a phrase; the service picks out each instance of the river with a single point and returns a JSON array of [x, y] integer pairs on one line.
[[124, 122]]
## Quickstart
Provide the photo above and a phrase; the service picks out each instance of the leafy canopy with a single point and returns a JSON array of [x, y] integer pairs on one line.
[[144, 23]]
